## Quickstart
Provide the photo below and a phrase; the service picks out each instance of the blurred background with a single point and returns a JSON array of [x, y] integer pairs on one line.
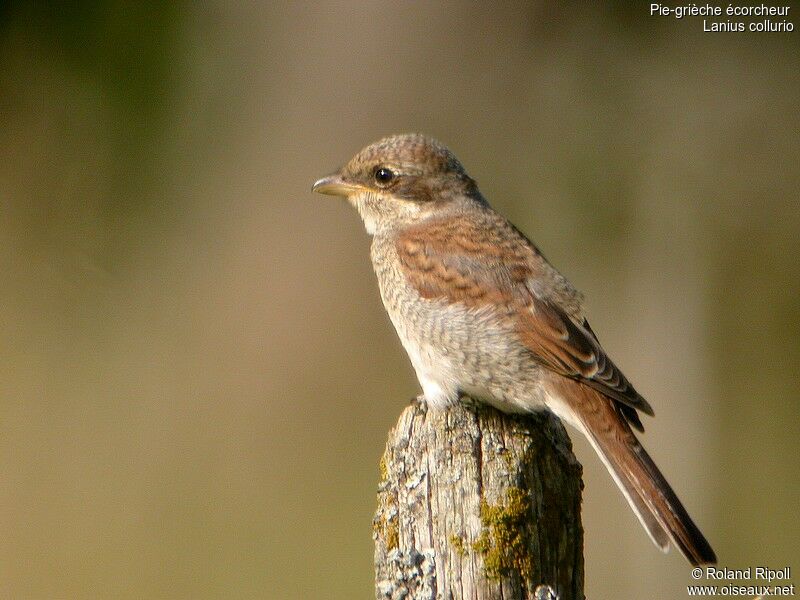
[[196, 373]]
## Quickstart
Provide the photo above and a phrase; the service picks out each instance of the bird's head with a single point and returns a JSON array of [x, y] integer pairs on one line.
[[400, 180]]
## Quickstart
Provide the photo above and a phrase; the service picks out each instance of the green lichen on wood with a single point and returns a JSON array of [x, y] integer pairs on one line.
[[387, 528], [383, 469], [504, 543], [392, 534], [457, 543], [508, 459], [385, 525]]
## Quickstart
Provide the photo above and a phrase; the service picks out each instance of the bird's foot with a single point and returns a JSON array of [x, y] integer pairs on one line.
[[469, 401], [420, 403]]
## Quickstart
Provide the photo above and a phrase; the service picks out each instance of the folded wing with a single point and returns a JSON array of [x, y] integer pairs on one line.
[[491, 263]]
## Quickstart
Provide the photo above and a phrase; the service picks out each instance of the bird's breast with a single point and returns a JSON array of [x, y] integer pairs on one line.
[[453, 348]]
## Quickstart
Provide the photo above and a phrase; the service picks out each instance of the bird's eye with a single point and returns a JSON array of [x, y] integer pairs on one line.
[[383, 175]]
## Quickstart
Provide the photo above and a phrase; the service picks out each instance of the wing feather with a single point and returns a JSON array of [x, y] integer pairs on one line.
[[486, 261]]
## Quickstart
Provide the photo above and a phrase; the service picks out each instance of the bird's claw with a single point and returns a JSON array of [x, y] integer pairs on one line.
[[420, 403]]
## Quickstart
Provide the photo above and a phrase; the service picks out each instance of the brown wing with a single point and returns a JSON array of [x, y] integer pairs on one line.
[[571, 350], [486, 261]]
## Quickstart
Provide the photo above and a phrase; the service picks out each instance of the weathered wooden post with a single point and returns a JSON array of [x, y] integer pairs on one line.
[[474, 504]]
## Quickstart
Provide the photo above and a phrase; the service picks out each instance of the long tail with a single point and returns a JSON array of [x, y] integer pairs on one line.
[[648, 493]]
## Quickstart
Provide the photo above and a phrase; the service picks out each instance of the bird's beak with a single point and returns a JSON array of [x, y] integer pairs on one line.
[[334, 185]]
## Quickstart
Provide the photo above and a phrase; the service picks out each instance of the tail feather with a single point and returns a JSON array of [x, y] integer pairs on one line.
[[641, 482]]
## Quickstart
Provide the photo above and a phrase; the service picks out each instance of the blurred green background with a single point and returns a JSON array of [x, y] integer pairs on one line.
[[196, 373]]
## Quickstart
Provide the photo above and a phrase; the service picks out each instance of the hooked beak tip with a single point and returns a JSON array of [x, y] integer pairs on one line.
[[333, 185]]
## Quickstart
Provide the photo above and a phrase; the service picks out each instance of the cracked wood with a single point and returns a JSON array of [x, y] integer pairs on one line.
[[479, 505]]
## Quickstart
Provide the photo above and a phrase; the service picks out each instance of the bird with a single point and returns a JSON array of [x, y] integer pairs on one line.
[[482, 313]]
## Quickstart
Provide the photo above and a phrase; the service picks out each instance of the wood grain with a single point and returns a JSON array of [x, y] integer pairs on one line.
[[478, 505]]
